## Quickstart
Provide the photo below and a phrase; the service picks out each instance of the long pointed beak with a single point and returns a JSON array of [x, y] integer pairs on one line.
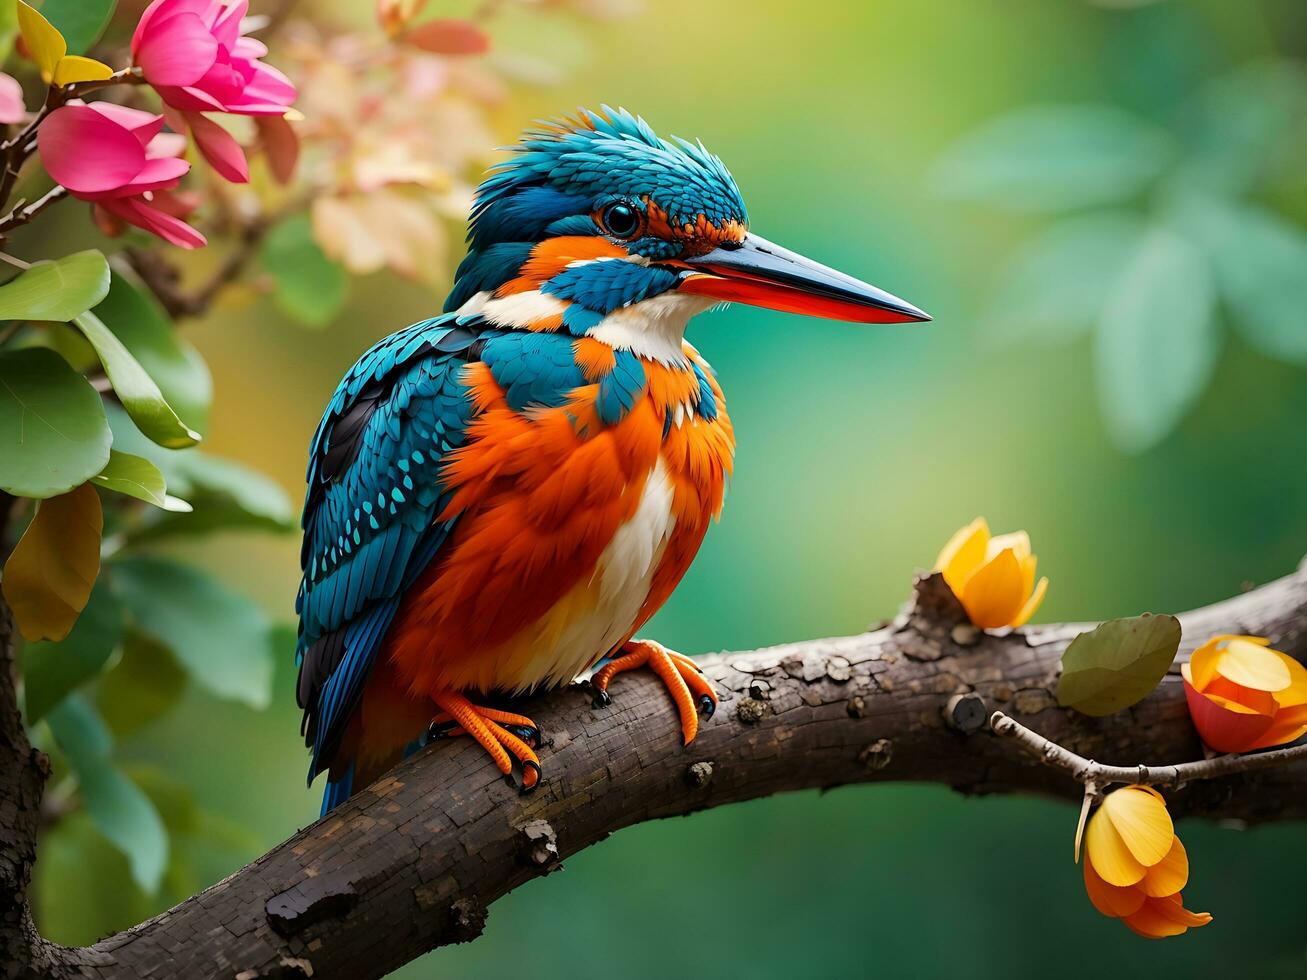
[[761, 273]]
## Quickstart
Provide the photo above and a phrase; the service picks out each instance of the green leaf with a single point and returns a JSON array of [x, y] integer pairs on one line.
[[225, 495], [220, 637], [1245, 122], [1260, 262], [1053, 157], [8, 28], [118, 807], [53, 431], [310, 287], [1054, 289], [1117, 664], [51, 671], [1157, 343], [138, 477], [137, 319], [58, 290], [145, 683], [136, 389], [80, 21]]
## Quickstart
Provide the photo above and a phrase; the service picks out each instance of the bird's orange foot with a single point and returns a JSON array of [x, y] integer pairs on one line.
[[681, 675], [510, 739]]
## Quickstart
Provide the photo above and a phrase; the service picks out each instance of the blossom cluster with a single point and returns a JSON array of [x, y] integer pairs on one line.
[[121, 159]]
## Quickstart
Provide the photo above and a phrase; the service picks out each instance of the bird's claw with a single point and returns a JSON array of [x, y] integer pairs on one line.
[[682, 677], [529, 734], [517, 776]]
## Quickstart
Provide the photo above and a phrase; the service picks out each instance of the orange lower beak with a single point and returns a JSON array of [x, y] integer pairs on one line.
[[760, 273]]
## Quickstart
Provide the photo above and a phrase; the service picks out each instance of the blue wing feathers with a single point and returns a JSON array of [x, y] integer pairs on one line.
[[375, 492]]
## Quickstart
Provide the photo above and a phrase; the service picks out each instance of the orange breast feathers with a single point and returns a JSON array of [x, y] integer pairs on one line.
[[570, 534]]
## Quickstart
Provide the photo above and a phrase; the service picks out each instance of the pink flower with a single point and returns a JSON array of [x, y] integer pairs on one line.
[[118, 158], [193, 53], [11, 100]]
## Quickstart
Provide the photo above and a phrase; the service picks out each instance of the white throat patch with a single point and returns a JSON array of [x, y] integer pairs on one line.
[[653, 328]]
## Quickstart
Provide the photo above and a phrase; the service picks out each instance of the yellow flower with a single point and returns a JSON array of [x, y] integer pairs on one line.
[[1135, 865], [992, 576], [1243, 695]]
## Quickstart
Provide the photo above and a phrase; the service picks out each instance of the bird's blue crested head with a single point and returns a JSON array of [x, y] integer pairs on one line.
[[607, 173], [593, 216]]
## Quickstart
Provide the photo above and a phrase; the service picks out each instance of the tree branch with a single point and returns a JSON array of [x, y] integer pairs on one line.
[[412, 862]]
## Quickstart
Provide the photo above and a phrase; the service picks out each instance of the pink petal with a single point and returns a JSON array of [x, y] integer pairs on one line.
[[220, 148], [189, 98], [136, 211], [160, 9], [177, 51], [12, 109], [166, 145], [281, 146], [227, 29], [88, 152], [248, 49], [181, 204], [157, 174], [143, 125]]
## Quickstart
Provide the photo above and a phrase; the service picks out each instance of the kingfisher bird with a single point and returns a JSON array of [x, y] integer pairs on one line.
[[500, 497]]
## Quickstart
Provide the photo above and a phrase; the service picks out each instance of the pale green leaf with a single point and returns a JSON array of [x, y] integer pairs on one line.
[[1157, 342], [1117, 664], [136, 389], [1053, 157], [137, 319], [51, 671], [118, 807], [310, 287], [53, 431], [137, 477], [1054, 289], [1244, 124], [220, 637], [1260, 261], [58, 290], [143, 684]]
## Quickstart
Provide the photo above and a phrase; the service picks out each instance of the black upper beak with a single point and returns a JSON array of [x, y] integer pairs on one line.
[[761, 273]]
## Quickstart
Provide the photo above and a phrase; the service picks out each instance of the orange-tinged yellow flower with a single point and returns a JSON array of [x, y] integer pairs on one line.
[[992, 576], [1135, 865], [1243, 695]]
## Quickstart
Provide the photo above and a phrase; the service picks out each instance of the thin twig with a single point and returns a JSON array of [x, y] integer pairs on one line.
[[21, 216], [1089, 772]]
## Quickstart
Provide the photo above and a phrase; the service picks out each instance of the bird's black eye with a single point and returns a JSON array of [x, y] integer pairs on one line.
[[621, 220]]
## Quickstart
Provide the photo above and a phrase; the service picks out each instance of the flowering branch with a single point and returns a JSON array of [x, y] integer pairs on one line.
[[1173, 776]]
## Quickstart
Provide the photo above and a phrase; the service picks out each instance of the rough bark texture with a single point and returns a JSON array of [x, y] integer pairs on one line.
[[413, 862], [23, 772]]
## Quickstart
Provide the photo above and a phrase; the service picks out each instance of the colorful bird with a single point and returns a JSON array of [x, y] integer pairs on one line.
[[501, 496]]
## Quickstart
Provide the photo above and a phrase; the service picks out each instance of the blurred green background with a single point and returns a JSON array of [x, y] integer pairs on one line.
[[857, 132]]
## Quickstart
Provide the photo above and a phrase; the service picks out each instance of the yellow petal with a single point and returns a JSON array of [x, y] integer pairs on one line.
[[1018, 541], [1141, 818], [993, 596], [1290, 725], [1205, 658], [1111, 900], [1250, 665], [1032, 604], [1172, 907], [44, 42], [1296, 692], [1105, 849], [1169, 875], [1158, 918], [963, 554], [75, 68]]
